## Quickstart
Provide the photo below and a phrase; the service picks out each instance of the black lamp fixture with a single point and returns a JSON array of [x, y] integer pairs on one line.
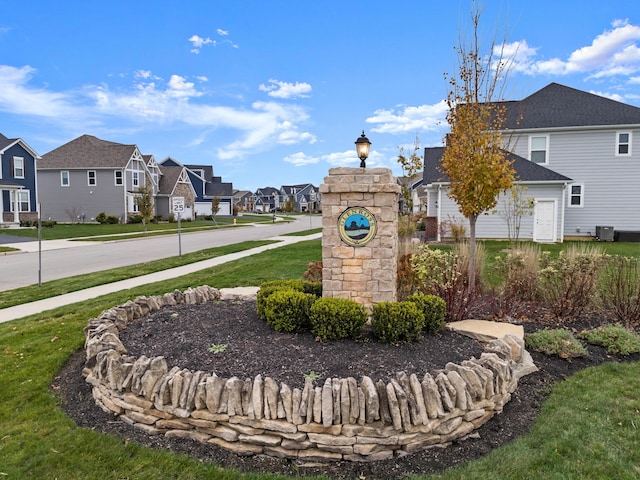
[[362, 147]]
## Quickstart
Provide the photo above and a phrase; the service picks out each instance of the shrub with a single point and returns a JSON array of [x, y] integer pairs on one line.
[[559, 342], [433, 308], [268, 288], [313, 272], [620, 289], [406, 226], [26, 223], [406, 279], [519, 268], [112, 220], [134, 219], [337, 318], [568, 283], [48, 223], [615, 338], [443, 273], [395, 322], [287, 310], [101, 217]]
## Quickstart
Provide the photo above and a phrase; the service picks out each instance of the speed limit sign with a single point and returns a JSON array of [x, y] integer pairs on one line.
[[178, 204]]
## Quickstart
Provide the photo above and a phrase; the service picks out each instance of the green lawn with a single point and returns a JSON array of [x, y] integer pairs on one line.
[[588, 428]]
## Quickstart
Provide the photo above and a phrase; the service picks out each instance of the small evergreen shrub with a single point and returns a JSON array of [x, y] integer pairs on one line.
[[48, 223], [615, 338], [337, 318], [135, 219], [267, 288], [558, 341], [287, 310], [433, 308], [101, 217], [395, 322], [111, 220]]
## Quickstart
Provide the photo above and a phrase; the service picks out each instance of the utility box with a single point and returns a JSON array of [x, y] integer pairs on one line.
[[604, 234]]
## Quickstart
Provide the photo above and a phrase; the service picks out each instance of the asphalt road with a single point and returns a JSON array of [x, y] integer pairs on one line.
[[21, 269]]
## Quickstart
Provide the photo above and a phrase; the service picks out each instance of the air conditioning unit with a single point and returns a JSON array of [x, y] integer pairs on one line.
[[604, 234]]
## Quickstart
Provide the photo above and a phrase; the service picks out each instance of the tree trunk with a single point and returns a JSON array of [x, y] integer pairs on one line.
[[472, 254]]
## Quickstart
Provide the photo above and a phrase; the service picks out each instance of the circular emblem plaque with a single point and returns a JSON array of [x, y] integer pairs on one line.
[[357, 226]]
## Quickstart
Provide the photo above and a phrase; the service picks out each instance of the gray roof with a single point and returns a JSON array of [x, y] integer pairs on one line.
[[169, 178], [9, 142], [88, 151], [526, 171], [559, 106]]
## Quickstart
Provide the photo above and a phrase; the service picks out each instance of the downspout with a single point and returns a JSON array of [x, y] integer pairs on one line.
[[564, 200], [438, 209]]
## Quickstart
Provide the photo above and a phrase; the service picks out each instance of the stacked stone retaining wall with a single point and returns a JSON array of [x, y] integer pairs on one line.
[[342, 419]]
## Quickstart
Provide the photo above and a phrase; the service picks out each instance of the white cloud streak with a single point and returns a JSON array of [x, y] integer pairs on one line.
[[614, 52], [410, 119], [151, 100], [286, 90]]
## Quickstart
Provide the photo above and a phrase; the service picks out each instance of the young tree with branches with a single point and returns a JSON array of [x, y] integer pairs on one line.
[[144, 202], [474, 158]]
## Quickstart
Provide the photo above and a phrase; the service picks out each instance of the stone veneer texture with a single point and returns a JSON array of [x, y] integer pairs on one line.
[[366, 274], [343, 419]]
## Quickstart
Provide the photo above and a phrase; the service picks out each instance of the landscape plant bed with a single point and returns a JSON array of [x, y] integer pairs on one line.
[[184, 335]]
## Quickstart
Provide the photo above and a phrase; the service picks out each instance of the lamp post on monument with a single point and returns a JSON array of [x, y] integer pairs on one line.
[[362, 147]]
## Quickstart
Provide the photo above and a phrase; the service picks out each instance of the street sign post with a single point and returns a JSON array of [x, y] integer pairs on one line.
[[177, 204]]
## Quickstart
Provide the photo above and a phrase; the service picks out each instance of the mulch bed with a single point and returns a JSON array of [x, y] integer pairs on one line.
[[184, 335]]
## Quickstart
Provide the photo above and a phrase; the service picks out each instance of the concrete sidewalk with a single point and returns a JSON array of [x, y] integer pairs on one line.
[[19, 311]]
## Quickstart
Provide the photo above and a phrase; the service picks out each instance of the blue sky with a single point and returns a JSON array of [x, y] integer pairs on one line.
[[276, 92]]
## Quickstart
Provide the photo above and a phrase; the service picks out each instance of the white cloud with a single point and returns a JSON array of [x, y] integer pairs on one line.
[[17, 97], [286, 90], [198, 42], [301, 159], [154, 101], [612, 53], [410, 119], [222, 33], [612, 96]]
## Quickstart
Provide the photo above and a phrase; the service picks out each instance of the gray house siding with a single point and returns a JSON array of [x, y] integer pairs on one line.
[[609, 182], [79, 196]]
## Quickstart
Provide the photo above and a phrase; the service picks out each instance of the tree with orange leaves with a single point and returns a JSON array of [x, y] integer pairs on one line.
[[474, 157]]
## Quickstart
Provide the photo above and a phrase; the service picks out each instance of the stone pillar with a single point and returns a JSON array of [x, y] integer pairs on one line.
[[360, 264]]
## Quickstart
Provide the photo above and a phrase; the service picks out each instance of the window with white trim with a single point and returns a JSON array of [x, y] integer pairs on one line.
[[91, 178], [18, 167], [23, 199], [576, 195], [135, 178], [623, 144], [117, 175], [64, 178], [538, 149]]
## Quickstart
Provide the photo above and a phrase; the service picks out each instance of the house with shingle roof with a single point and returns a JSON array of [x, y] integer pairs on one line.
[[87, 176], [18, 182], [207, 187], [174, 182], [303, 197], [575, 153]]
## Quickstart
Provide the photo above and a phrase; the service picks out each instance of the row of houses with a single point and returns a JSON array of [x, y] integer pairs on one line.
[[294, 198], [88, 176]]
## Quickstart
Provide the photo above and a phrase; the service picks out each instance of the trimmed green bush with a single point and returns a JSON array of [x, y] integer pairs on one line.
[[267, 288], [395, 322], [434, 308], [287, 310], [337, 318]]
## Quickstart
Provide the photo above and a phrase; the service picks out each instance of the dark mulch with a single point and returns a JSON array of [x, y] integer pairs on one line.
[[184, 335]]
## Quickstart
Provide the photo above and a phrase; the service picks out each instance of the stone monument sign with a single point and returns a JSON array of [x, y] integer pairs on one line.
[[360, 234]]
